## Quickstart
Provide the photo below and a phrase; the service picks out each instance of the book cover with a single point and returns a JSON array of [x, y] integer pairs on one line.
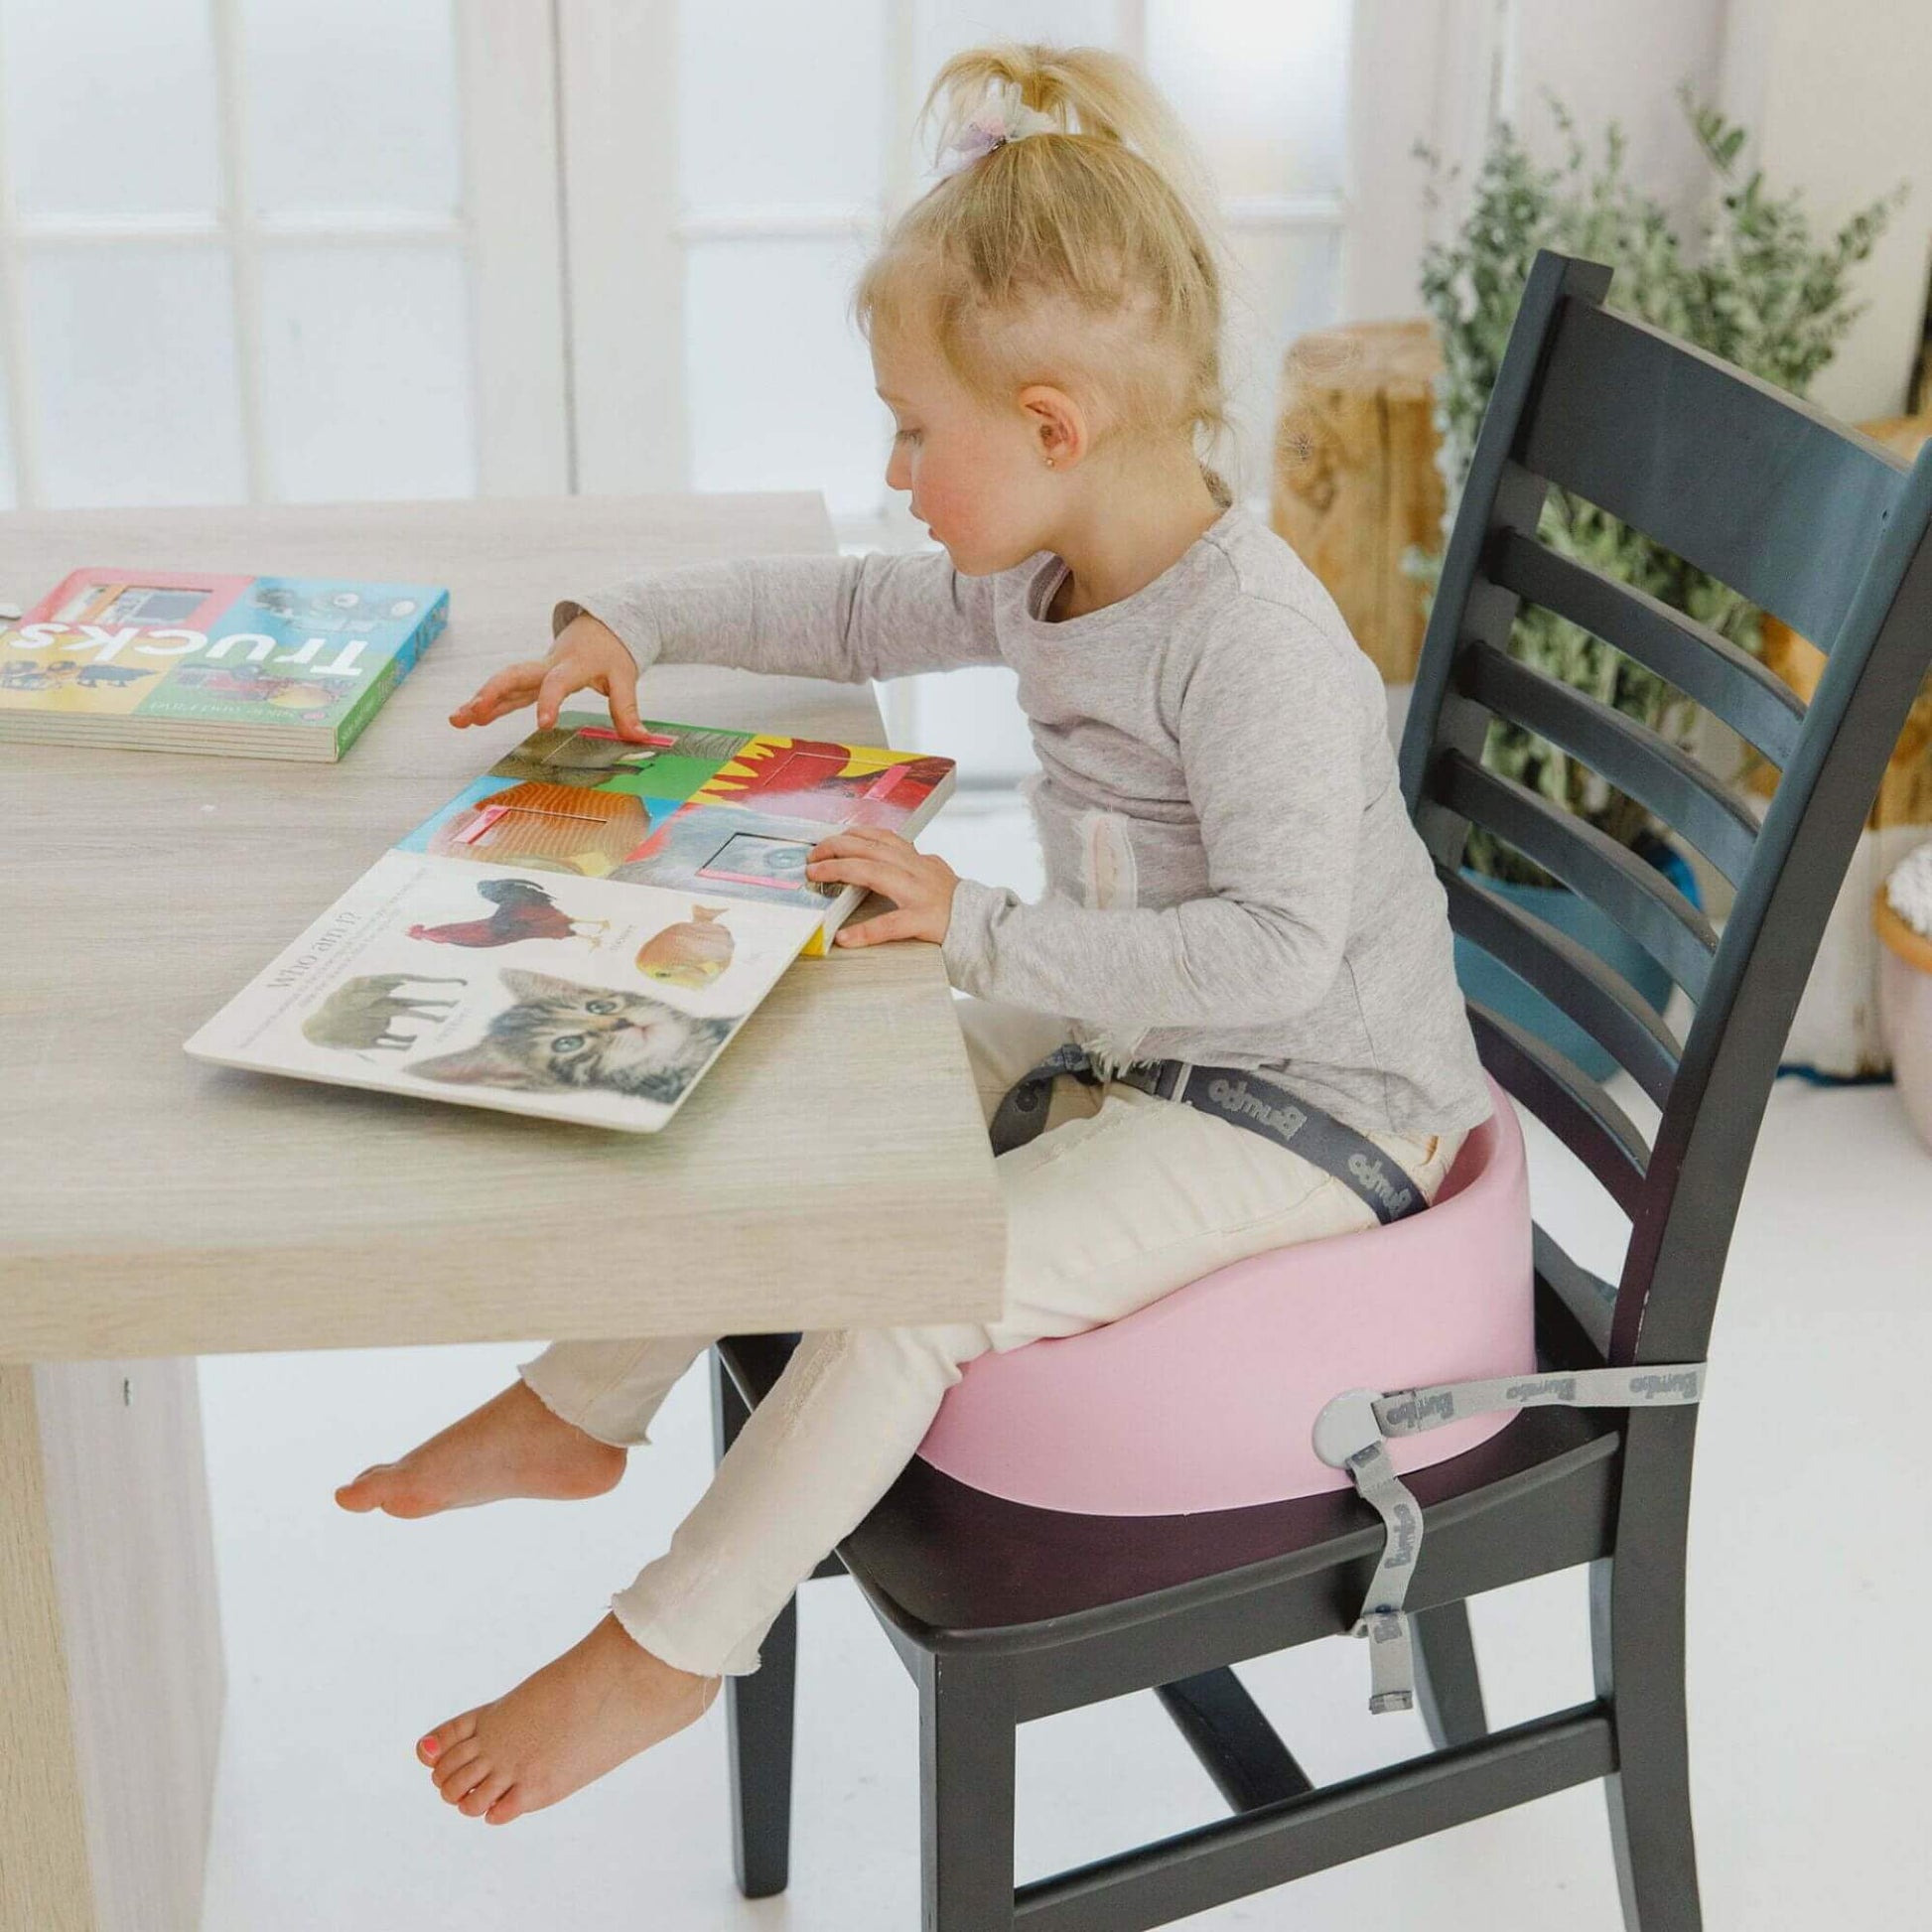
[[205, 662], [581, 943]]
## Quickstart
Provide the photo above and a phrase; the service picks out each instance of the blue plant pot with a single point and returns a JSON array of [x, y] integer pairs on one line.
[[1495, 986]]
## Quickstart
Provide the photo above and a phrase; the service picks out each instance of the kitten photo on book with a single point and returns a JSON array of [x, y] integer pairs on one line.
[[558, 1036]]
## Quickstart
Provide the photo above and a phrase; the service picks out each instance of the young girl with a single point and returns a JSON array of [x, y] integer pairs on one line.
[[1233, 879]]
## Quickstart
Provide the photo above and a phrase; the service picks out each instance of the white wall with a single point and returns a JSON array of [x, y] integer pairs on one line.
[[1838, 94], [1450, 68], [1621, 60], [1833, 95]]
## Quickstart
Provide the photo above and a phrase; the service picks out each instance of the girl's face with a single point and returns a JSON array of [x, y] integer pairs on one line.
[[977, 476]]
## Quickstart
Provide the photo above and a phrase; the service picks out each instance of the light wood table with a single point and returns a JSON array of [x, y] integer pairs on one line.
[[832, 1170]]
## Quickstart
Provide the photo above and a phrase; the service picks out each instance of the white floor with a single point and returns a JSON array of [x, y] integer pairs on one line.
[[348, 1636]]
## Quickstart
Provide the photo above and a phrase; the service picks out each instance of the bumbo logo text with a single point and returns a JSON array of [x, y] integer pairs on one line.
[[1371, 1172], [1235, 1097]]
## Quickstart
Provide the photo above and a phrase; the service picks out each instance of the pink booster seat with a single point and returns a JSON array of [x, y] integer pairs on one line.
[[1206, 1398]]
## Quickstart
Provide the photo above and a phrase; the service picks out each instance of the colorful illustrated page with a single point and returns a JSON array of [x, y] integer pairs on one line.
[[699, 810]]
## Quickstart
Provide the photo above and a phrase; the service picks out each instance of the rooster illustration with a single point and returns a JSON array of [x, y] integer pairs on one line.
[[523, 911]]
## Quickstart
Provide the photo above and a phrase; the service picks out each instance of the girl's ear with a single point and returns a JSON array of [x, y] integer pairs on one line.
[[1056, 423]]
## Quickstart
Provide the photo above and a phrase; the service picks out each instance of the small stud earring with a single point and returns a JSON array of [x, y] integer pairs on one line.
[[1050, 462]]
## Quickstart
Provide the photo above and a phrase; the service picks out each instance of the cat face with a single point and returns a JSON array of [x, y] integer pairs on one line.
[[562, 1038]]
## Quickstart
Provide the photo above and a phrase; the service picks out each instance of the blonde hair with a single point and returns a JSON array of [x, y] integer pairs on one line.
[[1085, 258]]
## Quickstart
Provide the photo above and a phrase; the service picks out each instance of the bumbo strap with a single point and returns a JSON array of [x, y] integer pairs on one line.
[[1238, 1096], [1278, 1113], [1023, 1112], [1350, 1431]]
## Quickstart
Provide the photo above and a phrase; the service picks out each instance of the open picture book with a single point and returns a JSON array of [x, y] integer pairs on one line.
[[580, 932]]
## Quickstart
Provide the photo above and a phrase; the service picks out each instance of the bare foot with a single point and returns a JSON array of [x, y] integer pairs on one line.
[[604, 1699], [511, 1447]]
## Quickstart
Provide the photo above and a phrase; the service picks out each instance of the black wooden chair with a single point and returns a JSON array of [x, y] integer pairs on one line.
[[1002, 1612]]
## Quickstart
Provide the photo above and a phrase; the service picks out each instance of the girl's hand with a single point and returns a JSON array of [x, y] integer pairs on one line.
[[919, 886], [586, 656]]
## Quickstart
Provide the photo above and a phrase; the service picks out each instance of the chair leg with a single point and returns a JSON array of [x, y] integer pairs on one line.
[[967, 1731], [1449, 1688], [758, 1708], [1237, 1746], [1637, 1636]]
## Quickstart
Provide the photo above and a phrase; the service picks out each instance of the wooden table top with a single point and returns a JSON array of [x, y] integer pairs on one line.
[[832, 1168]]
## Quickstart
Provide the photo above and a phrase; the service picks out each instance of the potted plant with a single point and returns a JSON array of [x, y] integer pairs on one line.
[[1760, 295]]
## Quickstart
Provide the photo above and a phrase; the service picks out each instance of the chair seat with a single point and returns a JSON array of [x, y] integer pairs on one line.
[[953, 1567], [1204, 1399]]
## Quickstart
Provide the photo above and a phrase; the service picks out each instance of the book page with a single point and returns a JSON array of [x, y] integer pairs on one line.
[[538, 991]]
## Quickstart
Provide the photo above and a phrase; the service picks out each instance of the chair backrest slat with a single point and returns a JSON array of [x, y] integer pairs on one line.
[[1735, 475], [1634, 893], [1811, 522], [1591, 1299], [1633, 759], [1700, 662], [1561, 1095], [1571, 977]]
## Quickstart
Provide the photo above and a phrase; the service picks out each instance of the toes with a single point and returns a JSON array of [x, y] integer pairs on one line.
[[387, 1487], [484, 1793], [357, 1494], [461, 1782], [452, 1760], [508, 1806], [434, 1743], [399, 1494]]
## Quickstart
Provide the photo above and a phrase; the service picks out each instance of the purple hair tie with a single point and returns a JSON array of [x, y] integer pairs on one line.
[[990, 127]]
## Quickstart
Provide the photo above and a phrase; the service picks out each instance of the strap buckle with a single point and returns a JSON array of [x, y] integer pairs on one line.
[[1352, 1430]]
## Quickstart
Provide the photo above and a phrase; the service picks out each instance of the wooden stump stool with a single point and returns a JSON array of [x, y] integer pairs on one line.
[[1355, 482]]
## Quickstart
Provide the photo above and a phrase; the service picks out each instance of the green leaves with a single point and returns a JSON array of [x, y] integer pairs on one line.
[[1756, 290]]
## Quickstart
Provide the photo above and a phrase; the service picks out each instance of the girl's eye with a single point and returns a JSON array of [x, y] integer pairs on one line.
[[906, 436]]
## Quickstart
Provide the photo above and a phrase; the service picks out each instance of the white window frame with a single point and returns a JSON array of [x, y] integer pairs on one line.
[[507, 229]]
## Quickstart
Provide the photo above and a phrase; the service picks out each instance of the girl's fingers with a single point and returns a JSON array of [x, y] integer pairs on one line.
[[557, 684], [620, 687], [873, 873], [885, 925], [513, 686], [866, 840]]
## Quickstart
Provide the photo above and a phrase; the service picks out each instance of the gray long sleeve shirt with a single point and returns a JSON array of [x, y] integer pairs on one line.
[[1232, 878]]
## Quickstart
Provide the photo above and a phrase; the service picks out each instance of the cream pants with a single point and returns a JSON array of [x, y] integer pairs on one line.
[[1121, 1199]]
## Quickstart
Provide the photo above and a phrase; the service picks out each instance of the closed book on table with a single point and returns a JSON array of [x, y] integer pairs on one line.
[[278, 667]]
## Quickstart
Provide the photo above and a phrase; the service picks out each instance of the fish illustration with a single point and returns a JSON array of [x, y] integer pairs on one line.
[[692, 953]]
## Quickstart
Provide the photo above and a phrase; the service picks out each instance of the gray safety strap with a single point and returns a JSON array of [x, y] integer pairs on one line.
[[1350, 1433], [1023, 1112], [1268, 1108], [1233, 1094]]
